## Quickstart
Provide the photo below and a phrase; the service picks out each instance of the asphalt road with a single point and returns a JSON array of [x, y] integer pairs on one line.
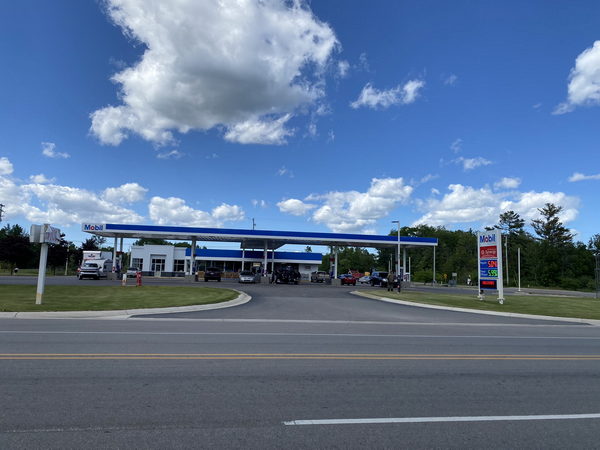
[[262, 375]]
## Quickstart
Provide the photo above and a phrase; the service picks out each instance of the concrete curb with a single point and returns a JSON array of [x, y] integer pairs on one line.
[[476, 311], [125, 313]]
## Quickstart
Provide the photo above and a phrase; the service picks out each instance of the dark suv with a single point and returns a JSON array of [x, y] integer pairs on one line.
[[379, 279], [212, 273]]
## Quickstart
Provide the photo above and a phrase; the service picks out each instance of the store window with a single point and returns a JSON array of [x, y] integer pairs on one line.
[[158, 263], [178, 265], [137, 263]]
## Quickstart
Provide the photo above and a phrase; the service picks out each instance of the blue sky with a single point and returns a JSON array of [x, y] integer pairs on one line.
[[320, 116]]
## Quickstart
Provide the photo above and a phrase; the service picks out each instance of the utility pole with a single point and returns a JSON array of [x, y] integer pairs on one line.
[[1, 211], [253, 224]]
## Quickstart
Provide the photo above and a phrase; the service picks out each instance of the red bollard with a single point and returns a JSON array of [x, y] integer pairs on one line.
[[138, 278]]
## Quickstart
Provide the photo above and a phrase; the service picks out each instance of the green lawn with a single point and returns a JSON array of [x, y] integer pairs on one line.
[[99, 298], [584, 308]]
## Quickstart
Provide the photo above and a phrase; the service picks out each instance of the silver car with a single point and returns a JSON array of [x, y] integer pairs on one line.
[[247, 276]]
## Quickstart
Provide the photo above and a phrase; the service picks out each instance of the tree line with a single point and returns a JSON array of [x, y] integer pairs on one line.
[[549, 255]]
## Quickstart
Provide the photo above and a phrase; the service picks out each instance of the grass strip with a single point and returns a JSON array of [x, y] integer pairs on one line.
[[20, 298], [574, 307]]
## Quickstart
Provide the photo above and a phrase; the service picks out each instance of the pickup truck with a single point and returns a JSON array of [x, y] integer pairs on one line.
[[319, 277]]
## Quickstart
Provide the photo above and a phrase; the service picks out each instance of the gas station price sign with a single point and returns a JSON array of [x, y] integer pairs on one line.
[[489, 246]]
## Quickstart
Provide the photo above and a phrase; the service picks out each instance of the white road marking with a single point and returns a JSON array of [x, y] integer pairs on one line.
[[442, 419], [199, 333]]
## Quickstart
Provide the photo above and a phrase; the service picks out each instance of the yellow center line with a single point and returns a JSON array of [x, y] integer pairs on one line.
[[327, 356]]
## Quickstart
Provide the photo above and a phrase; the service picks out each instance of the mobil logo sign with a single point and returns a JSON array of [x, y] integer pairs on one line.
[[92, 227], [488, 251], [487, 239]]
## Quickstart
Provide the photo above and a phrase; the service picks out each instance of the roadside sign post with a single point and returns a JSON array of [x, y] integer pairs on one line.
[[489, 254], [43, 234]]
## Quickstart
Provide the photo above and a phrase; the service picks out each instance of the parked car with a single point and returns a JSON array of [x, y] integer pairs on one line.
[[247, 276], [212, 273], [132, 272], [347, 278], [365, 280], [379, 279], [319, 277]]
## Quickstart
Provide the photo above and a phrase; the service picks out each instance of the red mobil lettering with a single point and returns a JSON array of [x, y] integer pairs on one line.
[[489, 251]]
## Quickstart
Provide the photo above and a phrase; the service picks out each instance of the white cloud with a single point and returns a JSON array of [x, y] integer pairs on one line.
[[41, 179], [472, 163], [260, 131], [507, 183], [40, 202], [456, 146], [174, 211], [343, 68], [450, 80], [173, 154], [410, 91], [282, 171], [6, 167], [64, 205], [584, 81], [358, 212], [581, 177], [48, 149], [259, 203], [400, 95], [482, 207], [126, 193], [247, 66], [295, 207]]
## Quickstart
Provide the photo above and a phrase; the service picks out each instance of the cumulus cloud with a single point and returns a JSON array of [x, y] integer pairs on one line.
[[174, 211], [472, 163], [41, 179], [469, 205], [373, 98], [40, 201], [126, 193], [295, 207], [584, 81], [6, 167], [243, 66], [260, 131], [353, 211], [64, 205], [49, 150], [507, 183], [581, 177]]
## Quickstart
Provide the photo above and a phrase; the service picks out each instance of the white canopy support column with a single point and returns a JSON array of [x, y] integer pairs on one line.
[[273, 261], [264, 270], [121, 253], [335, 263], [243, 256], [114, 258]]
